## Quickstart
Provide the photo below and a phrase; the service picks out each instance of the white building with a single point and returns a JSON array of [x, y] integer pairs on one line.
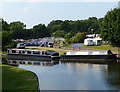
[[92, 41]]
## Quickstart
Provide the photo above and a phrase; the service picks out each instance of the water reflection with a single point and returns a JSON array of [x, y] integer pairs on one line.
[[113, 75], [60, 75], [42, 63]]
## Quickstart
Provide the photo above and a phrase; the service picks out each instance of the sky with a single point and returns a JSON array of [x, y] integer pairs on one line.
[[33, 12]]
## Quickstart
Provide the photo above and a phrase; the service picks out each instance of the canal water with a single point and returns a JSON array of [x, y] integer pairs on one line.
[[60, 75]]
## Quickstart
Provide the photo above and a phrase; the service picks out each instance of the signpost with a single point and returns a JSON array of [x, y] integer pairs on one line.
[[76, 45]]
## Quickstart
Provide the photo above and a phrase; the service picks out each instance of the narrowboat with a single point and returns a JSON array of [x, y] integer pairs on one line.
[[95, 56], [31, 54]]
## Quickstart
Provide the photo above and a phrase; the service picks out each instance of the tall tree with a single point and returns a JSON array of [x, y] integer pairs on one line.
[[18, 29], [110, 28], [40, 31], [4, 25], [59, 33]]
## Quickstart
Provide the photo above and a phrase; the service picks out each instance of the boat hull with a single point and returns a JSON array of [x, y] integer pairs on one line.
[[28, 57], [90, 58]]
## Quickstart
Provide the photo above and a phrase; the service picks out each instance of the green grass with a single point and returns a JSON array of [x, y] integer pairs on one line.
[[2, 52], [102, 47], [61, 51], [14, 78]]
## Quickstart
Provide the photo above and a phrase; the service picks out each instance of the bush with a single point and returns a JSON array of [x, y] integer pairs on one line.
[[11, 44], [78, 38]]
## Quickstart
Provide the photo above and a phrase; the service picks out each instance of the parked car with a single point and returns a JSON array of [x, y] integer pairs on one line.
[[20, 46]]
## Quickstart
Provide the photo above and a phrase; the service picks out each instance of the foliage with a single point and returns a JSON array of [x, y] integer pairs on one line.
[[39, 31], [110, 27], [59, 33], [68, 36], [72, 31], [6, 38], [18, 29], [78, 38]]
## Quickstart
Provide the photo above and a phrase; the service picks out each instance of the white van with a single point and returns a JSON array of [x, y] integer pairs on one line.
[[92, 41], [20, 46]]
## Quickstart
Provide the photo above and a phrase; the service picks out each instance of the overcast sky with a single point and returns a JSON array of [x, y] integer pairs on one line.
[[33, 12]]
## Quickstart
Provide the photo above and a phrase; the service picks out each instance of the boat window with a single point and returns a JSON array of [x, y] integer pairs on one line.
[[29, 62], [20, 51], [14, 62], [28, 52], [44, 53], [90, 53], [36, 52], [13, 51], [23, 51], [8, 51], [20, 62], [51, 51]]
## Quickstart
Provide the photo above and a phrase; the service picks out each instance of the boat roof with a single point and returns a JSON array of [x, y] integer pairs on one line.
[[89, 50], [27, 49]]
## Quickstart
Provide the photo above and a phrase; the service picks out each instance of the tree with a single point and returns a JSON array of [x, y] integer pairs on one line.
[[39, 31], [5, 25], [110, 27], [6, 38], [68, 36], [54, 25], [78, 38], [59, 33], [18, 29]]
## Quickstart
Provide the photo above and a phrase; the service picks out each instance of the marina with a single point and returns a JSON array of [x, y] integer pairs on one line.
[[87, 56], [93, 72]]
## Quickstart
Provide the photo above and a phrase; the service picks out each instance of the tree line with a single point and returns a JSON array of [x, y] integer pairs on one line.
[[72, 31]]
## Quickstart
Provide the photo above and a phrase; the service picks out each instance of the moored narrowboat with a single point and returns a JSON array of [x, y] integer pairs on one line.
[[95, 56], [31, 54]]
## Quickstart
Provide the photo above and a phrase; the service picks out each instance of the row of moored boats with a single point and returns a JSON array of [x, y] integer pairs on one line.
[[82, 55]]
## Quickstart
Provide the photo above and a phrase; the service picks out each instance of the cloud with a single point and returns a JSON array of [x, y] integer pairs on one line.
[[59, 1]]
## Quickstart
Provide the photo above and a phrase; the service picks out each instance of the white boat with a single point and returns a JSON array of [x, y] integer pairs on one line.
[[90, 55], [31, 54]]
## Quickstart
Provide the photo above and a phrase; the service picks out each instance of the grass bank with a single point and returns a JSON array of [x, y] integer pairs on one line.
[[101, 47], [61, 51], [14, 79]]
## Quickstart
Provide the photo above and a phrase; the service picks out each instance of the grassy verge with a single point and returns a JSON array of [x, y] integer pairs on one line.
[[14, 79], [61, 51], [102, 47]]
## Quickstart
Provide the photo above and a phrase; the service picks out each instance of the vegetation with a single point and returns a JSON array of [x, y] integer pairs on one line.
[[72, 31], [110, 27], [16, 79], [61, 51], [78, 38]]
